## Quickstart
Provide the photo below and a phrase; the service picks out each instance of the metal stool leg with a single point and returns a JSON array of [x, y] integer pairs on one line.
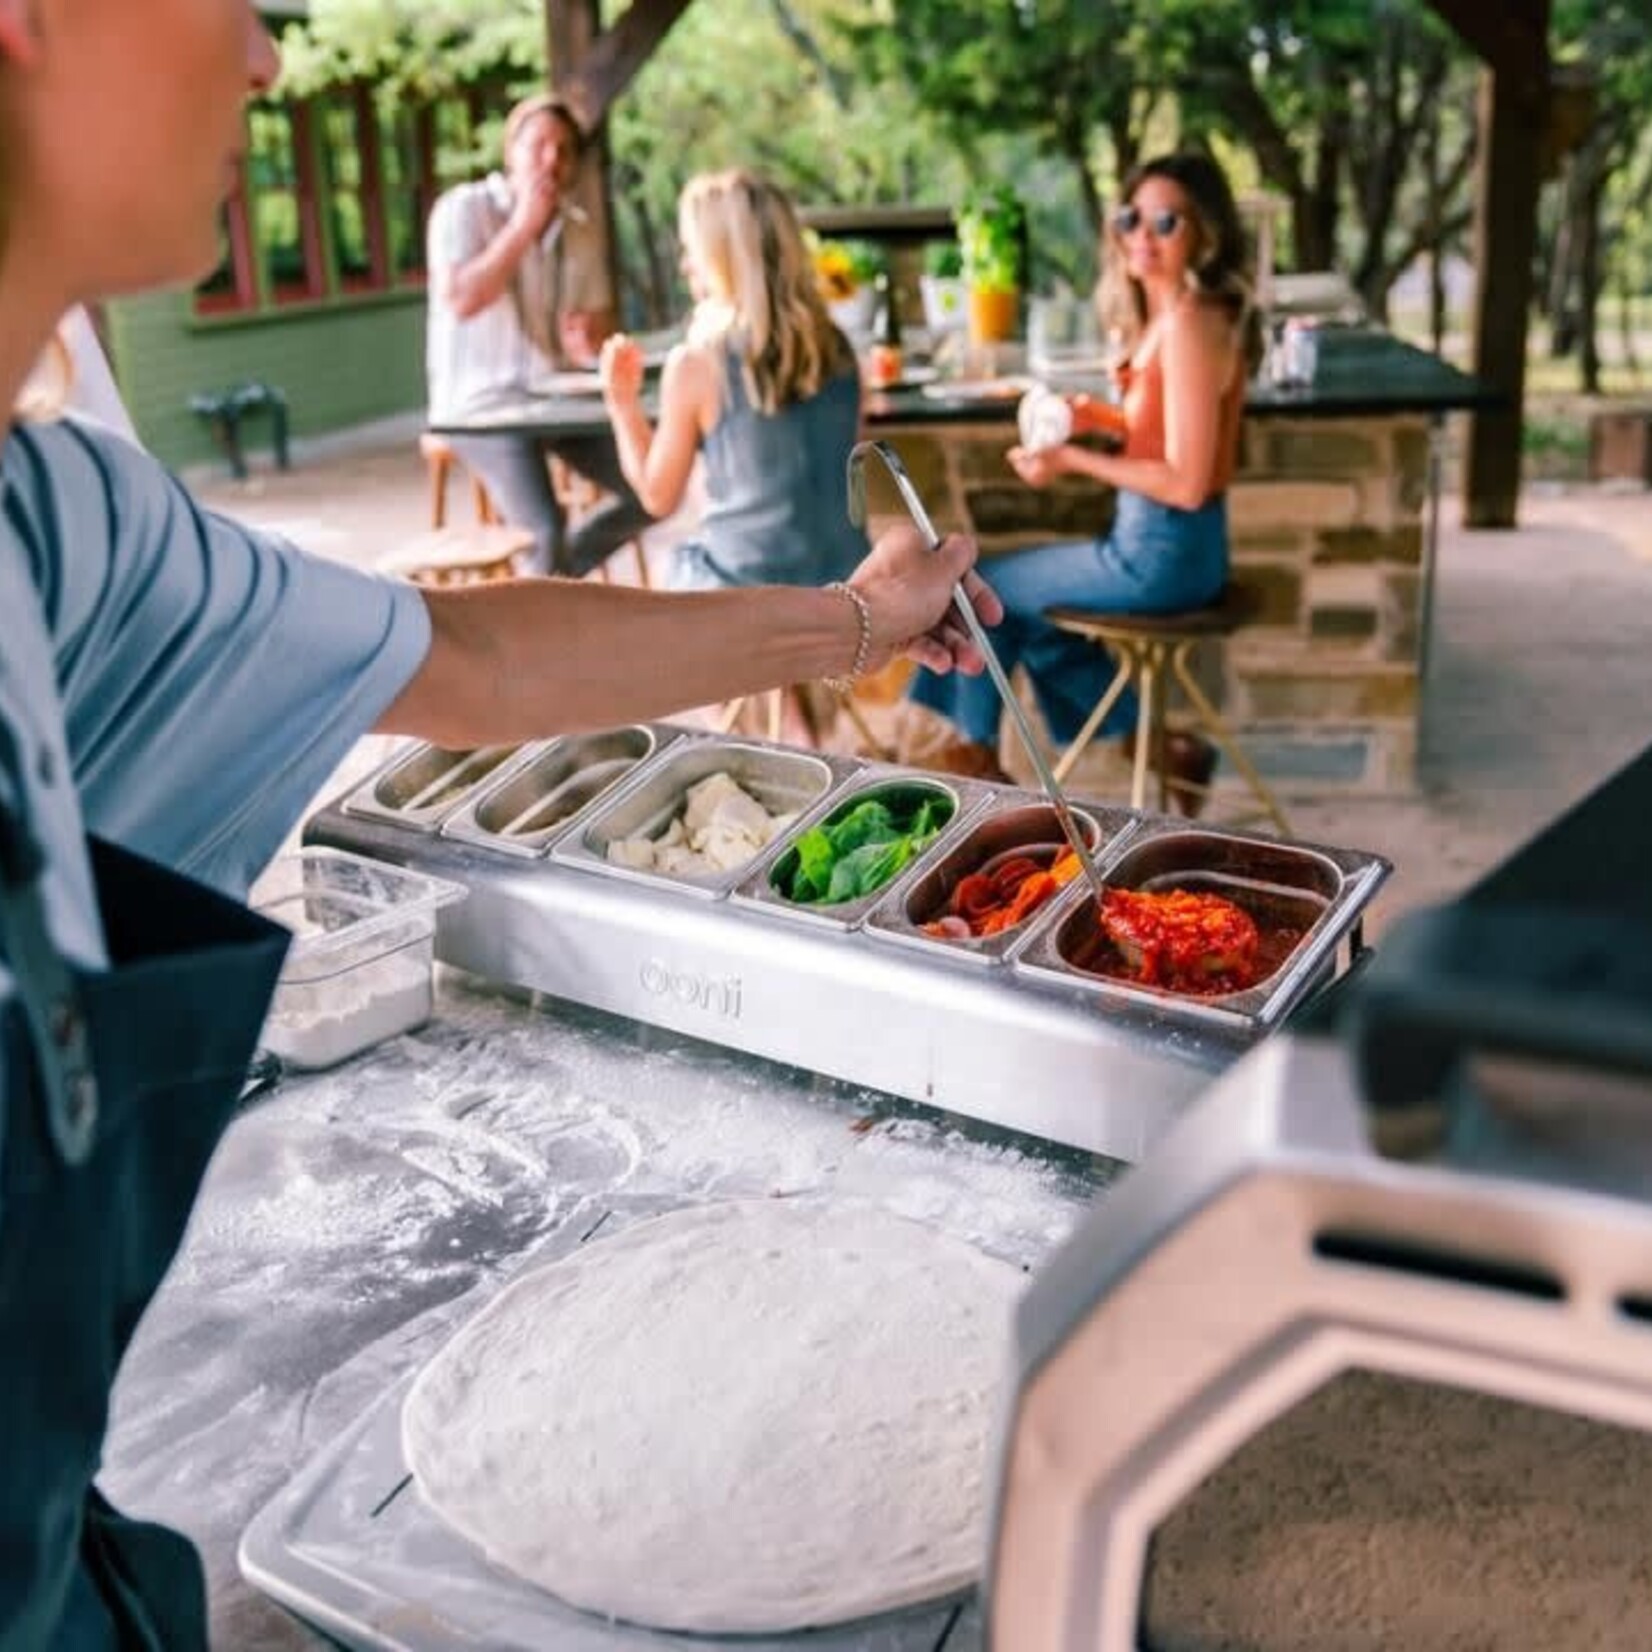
[[1149, 724], [1120, 682], [1212, 724]]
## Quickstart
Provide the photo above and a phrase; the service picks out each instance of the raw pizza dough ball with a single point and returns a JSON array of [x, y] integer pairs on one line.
[[753, 1416]]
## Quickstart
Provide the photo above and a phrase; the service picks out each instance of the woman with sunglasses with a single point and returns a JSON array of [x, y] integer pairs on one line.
[[180, 687], [1174, 289]]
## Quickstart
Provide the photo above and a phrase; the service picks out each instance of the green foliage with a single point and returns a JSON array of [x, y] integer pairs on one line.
[[944, 260], [992, 236], [415, 49], [1331, 103]]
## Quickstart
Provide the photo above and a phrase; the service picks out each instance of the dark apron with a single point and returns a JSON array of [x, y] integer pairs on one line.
[[115, 1087]]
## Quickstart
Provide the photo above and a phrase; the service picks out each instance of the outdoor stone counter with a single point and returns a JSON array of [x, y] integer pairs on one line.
[[1329, 516]]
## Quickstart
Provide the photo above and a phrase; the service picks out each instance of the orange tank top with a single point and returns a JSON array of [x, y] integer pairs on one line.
[[1143, 389]]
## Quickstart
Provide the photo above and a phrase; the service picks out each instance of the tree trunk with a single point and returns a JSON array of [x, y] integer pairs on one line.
[[1592, 193], [1626, 319], [656, 251], [1436, 238], [839, 85], [1095, 209], [1314, 216], [1121, 134], [1562, 261]]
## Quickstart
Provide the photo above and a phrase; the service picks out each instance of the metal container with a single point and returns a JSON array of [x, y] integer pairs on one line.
[[784, 782], [763, 888], [524, 810], [1314, 894], [1032, 1045], [1007, 825], [421, 788]]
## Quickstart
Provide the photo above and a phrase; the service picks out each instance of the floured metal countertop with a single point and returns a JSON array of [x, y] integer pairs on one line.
[[351, 1219]]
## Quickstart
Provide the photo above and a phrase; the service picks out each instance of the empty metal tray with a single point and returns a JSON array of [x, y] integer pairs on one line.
[[422, 788], [525, 810]]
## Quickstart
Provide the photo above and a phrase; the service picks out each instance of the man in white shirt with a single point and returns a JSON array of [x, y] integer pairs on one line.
[[519, 289]]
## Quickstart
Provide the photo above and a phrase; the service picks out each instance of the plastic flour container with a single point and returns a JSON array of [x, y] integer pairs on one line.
[[359, 969]]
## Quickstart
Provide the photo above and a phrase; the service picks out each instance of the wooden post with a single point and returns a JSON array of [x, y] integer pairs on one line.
[[1505, 238], [1512, 38], [573, 27]]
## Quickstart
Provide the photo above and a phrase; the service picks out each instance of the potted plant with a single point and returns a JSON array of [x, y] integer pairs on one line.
[[844, 271], [942, 286], [992, 238]]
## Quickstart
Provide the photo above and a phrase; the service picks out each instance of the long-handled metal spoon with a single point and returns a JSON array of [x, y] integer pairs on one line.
[[915, 508]]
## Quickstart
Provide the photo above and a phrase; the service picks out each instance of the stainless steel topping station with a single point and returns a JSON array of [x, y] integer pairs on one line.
[[1017, 1033], [1427, 1196]]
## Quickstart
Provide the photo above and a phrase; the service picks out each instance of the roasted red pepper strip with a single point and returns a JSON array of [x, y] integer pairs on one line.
[[991, 903]]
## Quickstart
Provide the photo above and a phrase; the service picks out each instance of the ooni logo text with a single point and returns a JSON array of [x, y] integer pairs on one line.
[[717, 995]]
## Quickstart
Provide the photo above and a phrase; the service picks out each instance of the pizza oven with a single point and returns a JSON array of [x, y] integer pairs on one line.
[[1361, 1355]]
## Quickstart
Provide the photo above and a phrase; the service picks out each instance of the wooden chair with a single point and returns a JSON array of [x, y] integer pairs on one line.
[[440, 462], [574, 493], [1154, 655]]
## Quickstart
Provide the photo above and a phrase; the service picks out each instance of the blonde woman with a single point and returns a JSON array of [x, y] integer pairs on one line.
[[765, 390], [173, 689], [1175, 290]]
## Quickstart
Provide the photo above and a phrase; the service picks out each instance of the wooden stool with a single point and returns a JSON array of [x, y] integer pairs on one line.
[[1153, 651], [440, 460], [460, 556]]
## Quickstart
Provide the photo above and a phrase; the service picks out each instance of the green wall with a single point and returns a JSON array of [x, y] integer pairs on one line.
[[338, 365]]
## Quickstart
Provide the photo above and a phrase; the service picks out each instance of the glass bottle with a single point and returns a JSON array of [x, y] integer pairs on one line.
[[886, 359]]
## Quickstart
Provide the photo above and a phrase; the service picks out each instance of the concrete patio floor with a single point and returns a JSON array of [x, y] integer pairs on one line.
[[1540, 684]]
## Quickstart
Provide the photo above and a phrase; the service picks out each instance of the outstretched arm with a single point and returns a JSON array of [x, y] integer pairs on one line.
[[529, 658]]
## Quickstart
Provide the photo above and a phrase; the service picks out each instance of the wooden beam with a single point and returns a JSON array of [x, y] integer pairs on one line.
[[573, 29], [1509, 36], [1505, 237], [590, 79]]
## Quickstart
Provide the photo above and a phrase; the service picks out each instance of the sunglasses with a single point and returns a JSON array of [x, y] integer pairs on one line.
[[1162, 225]]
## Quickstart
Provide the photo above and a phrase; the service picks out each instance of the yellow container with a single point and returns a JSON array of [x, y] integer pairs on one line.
[[993, 313]]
